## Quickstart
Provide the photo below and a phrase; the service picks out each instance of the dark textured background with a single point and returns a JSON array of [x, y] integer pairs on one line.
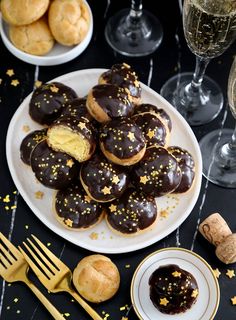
[[99, 55]]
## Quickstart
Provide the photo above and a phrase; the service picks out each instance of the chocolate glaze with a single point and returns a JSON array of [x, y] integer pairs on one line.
[[187, 166], [29, 142], [147, 107], [115, 101], [105, 181], [172, 289], [157, 173], [76, 209], [122, 137], [77, 108], [153, 128], [48, 101], [53, 169], [78, 125], [133, 212], [123, 76]]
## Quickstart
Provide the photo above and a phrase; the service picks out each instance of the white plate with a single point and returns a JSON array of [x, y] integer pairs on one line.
[[107, 242], [208, 299], [59, 53]]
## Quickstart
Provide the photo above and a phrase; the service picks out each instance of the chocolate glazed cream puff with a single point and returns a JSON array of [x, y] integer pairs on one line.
[[103, 180], [132, 214], [122, 141]]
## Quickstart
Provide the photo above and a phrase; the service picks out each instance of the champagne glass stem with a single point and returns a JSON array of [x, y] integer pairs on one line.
[[195, 86], [228, 150], [136, 8]]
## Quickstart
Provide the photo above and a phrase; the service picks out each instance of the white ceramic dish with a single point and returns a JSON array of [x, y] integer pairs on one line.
[[58, 55], [208, 299], [106, 241]]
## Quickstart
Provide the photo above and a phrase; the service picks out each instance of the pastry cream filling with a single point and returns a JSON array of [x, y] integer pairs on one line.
[[65, 140]]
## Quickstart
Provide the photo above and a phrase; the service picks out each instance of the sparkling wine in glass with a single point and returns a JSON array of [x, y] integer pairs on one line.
[[219, 147], [209, 29], [134, 32]]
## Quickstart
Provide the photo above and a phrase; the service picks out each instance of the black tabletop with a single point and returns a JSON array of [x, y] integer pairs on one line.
[[17, 221]]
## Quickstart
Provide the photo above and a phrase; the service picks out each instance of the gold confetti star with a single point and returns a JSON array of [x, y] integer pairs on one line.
[[233, 300], [87, 198], [230, 273], [68, 222], [54, 88], [151, 134], [164, 302], [39, 195], [15, 82], [106, 190], [115, 179], [217, 273], [164, 213], [82, 125], [10, 72], [69, 163], [6, 198], [112, 208], [93, 236], [143, 179], [37, 84], [26, 128], [131, 136], [194, 293], [176, 274]]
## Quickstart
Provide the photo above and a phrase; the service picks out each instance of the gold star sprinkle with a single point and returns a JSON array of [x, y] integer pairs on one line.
[[151, 134], [115, 179], [233, 300], [10, 72], [176, 274], [15, 82], [87, 198], [194, 293], [54, 88], [144, 179], [106, 190], [164, 302], [82, 125], [68, 222], [39, 195], [112, 208], [93, 236], [230, 273], [26, 128], [37, 84], [217, 273], [164, 213], [69, 163], [131, 136]]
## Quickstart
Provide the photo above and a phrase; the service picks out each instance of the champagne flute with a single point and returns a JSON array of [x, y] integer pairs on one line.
[[134, 32], [209, 29], [219, 147]]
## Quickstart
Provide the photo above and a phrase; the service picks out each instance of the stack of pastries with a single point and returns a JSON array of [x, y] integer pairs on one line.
[[108, 154]]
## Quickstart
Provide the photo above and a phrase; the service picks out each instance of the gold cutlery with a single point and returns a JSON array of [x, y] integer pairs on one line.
[[13, 267], [53, 273]]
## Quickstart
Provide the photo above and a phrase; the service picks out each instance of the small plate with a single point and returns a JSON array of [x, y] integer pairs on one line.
[[207, 302], [59, 53]]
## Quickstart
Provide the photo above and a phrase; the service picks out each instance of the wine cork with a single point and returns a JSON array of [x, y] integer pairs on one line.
[[226, 250], [215, 229]]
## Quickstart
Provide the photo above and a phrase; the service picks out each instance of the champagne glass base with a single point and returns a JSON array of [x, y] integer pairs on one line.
[[134, 40], [203, 108], [216, 168]]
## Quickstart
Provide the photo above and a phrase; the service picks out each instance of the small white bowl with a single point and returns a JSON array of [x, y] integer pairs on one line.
[[58, 55]]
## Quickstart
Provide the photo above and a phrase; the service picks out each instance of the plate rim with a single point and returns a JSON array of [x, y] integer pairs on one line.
[[190, 252], [69, 236], [58, 59]]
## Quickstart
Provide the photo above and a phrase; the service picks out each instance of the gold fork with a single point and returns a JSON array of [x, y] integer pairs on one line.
[[56, 276], [13, 267]]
